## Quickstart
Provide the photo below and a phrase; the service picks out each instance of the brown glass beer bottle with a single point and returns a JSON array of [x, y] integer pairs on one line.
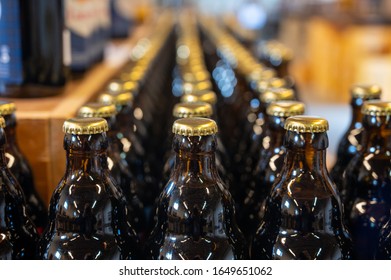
[[303, 213], [18, 235], [88, 215], [195, 214]]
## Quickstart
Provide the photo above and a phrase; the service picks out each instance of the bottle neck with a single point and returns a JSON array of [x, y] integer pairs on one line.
[[195, 157], [376, 133], [276, 130], [306, 151], [86, 154]]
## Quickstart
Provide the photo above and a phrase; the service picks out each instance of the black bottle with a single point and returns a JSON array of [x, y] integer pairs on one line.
[[18, 236], [350, 142], [269, 166], [303, 214], [88, 214], [367, 181], [119, 168], [195, 214], [32, 63], [20, 168]]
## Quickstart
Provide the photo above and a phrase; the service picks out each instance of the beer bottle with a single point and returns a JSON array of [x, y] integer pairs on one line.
[[88, 215], [195, 214], [20, 168], [132, 149], [276, 55], [350, 142], [18, 236], [118, 166], [269, 165], [253, 144], [183, 110], [303, 213], [366, 185]]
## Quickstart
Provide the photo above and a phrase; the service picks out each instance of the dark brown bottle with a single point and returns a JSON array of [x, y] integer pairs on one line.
[[183, 110], [133, 150], [258, 138], [269, 165], [18, 236], [88, 214], [195, 214], [119, 168], [367, 181], [20, 168], [350, 142], [303, 214]]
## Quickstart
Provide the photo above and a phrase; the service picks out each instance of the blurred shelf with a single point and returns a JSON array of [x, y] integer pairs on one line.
[[40, 120]]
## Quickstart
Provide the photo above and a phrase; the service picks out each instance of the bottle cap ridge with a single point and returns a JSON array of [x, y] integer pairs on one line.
[[85, 126], [366, 91], [194, 127], [276, 94], [376, 108], [285, 108], [306, 124], [189, 110], [97, 110], [7, 108]]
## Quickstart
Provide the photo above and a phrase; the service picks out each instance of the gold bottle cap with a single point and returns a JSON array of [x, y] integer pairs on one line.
[[366, 91], [285, 108], [119, 85], [376, 108], [85, 126], [96, 110], [200, 96], [194, 127], [193, 77], [121, 98], [261, 73], [2, 122], [263, 85], [7, 108], [276, 94], [309, 124], [190, 110]]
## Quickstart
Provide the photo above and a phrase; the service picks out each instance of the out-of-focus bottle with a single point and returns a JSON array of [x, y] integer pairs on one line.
[[119, 168], [366, 184], [269, 165], [88, 215], [88, 25], [33, 46], [132, 150], [20, 168], [195, 214], [350, 142], [303, 214], [18, 236]]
